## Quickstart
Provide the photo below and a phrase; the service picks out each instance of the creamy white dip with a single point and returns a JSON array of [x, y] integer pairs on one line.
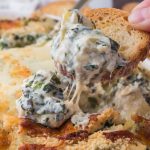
[[82, 52]]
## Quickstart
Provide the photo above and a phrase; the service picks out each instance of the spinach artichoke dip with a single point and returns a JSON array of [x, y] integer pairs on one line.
[[82, 56], [133, 91], [82, 52], [26, 34]]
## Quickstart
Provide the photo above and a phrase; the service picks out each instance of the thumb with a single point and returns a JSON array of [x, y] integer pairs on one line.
[[140, 18]]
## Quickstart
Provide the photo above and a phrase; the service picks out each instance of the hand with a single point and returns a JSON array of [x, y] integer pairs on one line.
[[140, 16]]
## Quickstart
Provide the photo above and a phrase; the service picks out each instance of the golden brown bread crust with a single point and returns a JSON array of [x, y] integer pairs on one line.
[[114, 23], [36, 130], [6, 25], [142, 129], [110, 138], [35, 147], [4, 139], [96, 122], [122, 134]]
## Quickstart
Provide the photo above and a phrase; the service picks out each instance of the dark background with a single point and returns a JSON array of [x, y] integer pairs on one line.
[[120, 3]]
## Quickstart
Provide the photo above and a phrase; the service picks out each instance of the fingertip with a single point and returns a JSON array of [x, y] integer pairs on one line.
[[135, 17], [140, 19], [144, 25], [144, 4]]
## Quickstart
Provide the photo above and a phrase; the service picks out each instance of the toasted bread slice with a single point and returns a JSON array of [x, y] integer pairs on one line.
[[134, 44], [114, 23]]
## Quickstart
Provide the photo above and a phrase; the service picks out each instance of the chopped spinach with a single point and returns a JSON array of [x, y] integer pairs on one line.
[[91, 67], [49, 87], [114, 45], [3, 45], [16, 40], [108, 123], [93, 102], [38, 85], [147, 98], [55, 79], [76, 30], [101, 43], [29, 84], [31, 38]]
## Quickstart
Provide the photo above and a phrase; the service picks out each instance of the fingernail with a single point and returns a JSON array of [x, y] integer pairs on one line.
[[136, 16]]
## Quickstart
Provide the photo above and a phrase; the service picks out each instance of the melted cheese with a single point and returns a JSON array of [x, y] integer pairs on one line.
[[50, 99], [145, 64], [80, 119], [83, 52], [80, 53], [132, 96]]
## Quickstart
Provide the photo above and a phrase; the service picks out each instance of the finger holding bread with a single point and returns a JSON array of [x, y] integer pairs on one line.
[[140, 16]]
